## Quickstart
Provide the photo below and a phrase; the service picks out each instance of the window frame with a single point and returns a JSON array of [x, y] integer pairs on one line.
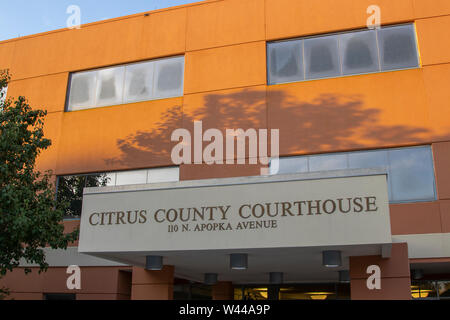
[[148, 175], [416, 46], [268, 60], [429, 147], [340, 59], [124, 66]]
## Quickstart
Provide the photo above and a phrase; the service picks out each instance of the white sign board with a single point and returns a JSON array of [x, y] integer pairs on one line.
[[254, 213]]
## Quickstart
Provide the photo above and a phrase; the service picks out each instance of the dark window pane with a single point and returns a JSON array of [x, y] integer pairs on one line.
[[322, 57], [70, 191], [398, 47], [359, 52], [411, 174], [285, 61]]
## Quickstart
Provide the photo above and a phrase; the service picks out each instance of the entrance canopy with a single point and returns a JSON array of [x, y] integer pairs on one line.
[[282, 222]]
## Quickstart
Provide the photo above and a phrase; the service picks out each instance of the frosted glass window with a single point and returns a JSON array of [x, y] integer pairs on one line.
[[82, 90], [110, 86], [322, 57], [359, 52], [135, 82], [139, 82], [347, 53], [328, 162], [398, 48], [70, 190], [411, 174], [169, 74], [131, 177], [293, 165], [163, 175], [285, 61]]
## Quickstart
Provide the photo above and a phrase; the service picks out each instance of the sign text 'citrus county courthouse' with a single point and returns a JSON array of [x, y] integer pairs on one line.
[[215, 218], [251, 212]]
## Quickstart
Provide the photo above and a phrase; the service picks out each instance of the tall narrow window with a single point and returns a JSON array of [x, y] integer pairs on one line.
[[411, 174], [70, 190], [139, 82], [342, 54], [169, 77]]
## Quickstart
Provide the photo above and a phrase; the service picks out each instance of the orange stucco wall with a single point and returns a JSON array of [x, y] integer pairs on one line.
[[152, 285], [224, 45]]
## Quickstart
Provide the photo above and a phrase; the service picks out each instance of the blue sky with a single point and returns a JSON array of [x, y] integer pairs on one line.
[[25, 17]]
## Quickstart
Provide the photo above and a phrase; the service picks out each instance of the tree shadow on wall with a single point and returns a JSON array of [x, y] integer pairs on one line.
[[148, 147], [328, 123]]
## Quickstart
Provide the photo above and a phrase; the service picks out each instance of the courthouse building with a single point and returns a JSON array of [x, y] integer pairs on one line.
[[356, 207]]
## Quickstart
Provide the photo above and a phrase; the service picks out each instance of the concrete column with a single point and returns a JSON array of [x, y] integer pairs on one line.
[[152, 285], [223, 291], [395, 281]]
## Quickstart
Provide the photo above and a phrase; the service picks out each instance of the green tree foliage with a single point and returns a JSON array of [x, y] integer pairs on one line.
[[30, 216]]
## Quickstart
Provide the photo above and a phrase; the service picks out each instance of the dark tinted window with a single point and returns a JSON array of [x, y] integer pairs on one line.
[[70, 191]]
